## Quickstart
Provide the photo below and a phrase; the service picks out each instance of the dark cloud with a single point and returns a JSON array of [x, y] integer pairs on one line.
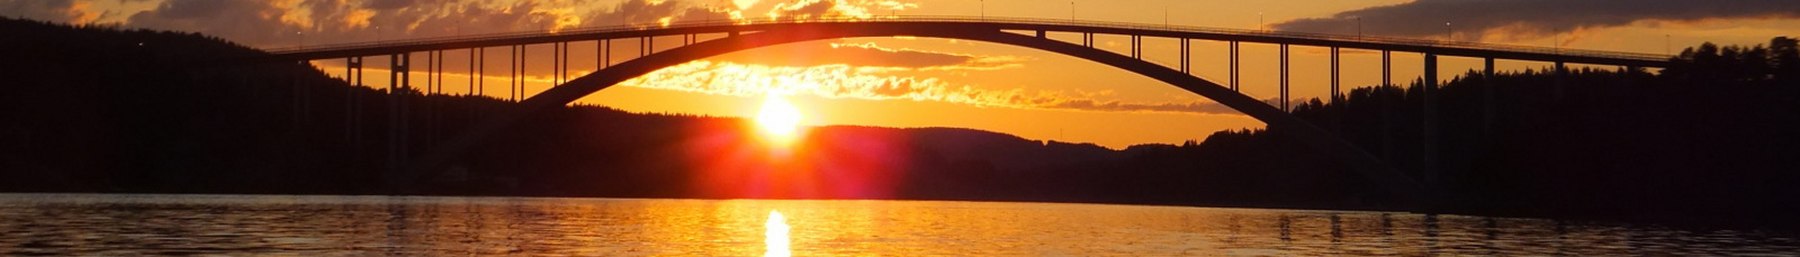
[[388, 4], [44, 10], [244, 21], [1531, 18]]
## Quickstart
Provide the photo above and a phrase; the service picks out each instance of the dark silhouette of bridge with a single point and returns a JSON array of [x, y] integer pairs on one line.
[[1030, 33]]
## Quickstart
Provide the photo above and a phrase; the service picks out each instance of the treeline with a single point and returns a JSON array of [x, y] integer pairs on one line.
[[1710, 139]]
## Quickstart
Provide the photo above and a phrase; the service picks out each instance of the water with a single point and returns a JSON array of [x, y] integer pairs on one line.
[[132, 225]]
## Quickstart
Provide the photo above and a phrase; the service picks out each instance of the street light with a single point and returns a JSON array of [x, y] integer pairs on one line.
[[1448, 35], [1259, 22]]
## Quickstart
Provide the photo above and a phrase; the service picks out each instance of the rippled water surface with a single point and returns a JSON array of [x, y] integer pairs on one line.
[[131, 225]]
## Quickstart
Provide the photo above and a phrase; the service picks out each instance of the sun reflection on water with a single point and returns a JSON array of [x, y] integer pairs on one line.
[[775, 235]]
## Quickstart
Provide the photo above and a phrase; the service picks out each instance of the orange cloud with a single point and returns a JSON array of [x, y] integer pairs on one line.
[[870, 55], [844, 81]]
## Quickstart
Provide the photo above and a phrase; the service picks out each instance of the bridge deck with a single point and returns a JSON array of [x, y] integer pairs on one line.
[[1440, 47]]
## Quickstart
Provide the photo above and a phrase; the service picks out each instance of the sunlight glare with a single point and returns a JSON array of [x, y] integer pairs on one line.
[[779, 120], [776, 236]]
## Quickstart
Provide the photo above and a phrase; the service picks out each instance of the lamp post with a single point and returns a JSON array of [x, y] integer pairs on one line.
[[1448, 34], [1259, 22]]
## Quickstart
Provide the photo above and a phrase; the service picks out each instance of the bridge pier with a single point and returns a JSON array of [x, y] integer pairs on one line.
[[352, 117], [1387, 68], [556, 63], [1337, 109], [1137, 47], [471, 73], [399, 67], [434, 83], [603, 51], [480, 63], [1487, 95], [512, 73], [1184, 56], [1334, 76], [1233, 77], [1428, 116], [1562, 73], [1284, 78]]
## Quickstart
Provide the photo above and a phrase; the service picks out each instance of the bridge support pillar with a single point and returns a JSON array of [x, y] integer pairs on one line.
[[1387, 68], [400, 69], [1233, 62], [603, 51], [1562, 74], [1428, 165], [512, 74], [1040, 34], [1185, 62], [1487, 95], [1334, 76], [480, 63], [1137, 47], [352, 74], [1337, 108], [556, 56], [1284, 78], [471, 73]]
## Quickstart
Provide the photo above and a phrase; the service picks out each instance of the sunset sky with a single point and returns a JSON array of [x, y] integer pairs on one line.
[[926, 82]]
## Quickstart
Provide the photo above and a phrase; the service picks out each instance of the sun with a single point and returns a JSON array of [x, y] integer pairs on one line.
[[779, 120]]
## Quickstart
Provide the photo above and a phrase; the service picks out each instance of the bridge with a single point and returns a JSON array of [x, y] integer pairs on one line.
[[729, 36]]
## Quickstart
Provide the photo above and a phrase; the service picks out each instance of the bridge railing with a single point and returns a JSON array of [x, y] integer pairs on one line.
[[1014, 20]]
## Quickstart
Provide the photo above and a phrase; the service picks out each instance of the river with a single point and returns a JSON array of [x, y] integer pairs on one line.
[[134, 225]]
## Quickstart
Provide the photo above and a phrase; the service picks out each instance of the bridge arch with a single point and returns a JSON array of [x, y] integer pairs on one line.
[[1406, 189]]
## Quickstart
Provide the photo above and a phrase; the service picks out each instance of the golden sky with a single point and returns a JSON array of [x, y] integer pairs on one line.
[[926, 82]]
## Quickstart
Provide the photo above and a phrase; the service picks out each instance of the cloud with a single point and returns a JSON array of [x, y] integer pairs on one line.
[[280, 23], [69, 11], [848, 82], [244, 21], [1477, 19], [868, 55], [388, 4], [835, 9]]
